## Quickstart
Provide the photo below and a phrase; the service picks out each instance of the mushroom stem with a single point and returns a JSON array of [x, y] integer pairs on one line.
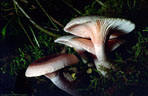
[[101, 58], [59, 81]]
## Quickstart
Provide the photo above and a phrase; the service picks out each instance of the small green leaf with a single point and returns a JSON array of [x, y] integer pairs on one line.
[[89, 71], [4, 30], [73, 76], [137, 53], [146, 29]]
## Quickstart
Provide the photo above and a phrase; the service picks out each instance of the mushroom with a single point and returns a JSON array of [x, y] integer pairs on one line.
[[85, 44], [90, 33], [50, 67], [98, 30], [77, 43], [50, 64]]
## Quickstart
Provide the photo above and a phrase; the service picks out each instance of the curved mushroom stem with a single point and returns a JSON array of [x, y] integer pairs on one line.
[[64, 85], [101, 59]]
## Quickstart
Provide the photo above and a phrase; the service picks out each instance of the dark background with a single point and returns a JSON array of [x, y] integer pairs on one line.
[[12, 84]]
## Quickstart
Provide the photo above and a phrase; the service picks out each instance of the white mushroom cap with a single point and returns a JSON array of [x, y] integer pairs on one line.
[[50, 64], [74, 26], [77, 43], [77, 26], [97, 28], [84, 44]]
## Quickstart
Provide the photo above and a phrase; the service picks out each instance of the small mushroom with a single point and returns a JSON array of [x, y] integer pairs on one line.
[[50, 64], [50, 67], [97, 29]]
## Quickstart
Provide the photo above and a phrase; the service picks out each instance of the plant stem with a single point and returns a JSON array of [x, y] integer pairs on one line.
[[35, 37], [72, 7], [100, 2], [49, 17], [21, 25], [57, 22], [36, 25]]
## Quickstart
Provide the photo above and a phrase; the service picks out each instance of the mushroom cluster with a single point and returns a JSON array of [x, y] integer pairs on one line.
[[90, 33]]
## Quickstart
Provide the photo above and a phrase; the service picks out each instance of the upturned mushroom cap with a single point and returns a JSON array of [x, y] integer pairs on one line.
[[78, 43], [84, 44], [97, 28], [76, 27], [84, 26], [50, 64]]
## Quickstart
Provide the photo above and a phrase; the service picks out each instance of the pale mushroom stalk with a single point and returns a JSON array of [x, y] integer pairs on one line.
[[101, 57], [61, 84], [98, 38]]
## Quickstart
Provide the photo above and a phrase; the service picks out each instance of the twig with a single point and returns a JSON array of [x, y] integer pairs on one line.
[[57, 22], [36, 25], [21, 25], [49, 17], [100, 2], [35, 37], [72, 7], [9, 9]]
